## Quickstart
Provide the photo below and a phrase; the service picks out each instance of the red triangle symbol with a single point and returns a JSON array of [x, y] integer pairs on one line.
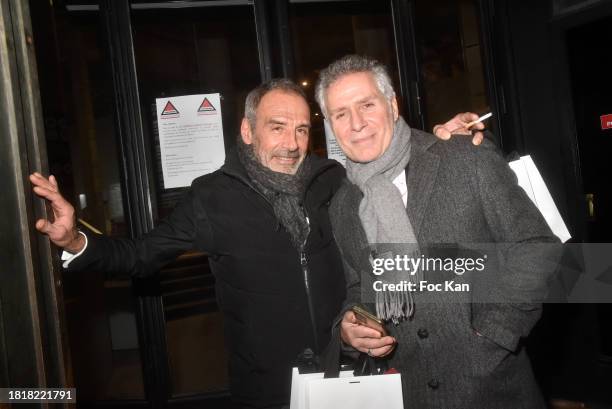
[[206, 106], [169, 109]]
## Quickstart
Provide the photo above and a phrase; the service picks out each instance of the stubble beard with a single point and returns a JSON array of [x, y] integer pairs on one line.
[[265, 158]]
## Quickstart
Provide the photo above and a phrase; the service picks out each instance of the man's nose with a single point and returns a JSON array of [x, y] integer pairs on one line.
[[290, 140], [357, 121]]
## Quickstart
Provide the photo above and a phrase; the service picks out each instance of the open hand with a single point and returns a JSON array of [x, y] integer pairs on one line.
[[62, 230]]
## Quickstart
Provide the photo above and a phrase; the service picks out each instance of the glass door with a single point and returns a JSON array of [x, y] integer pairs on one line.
[[431, 49], [76, 86], [124, 351], [322, 32], [106, 64], [203, 48], [447, 33]]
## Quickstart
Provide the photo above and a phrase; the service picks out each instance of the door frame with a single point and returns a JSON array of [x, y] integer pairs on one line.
[[33, 347], [560, 25], [271, 19]]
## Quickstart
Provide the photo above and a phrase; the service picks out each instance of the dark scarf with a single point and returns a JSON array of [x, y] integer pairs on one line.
[[284, 191]]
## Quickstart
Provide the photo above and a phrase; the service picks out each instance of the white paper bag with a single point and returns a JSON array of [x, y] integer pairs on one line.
[[531, 181], [312, 391]]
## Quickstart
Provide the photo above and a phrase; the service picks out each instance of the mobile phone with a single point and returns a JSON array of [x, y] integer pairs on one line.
[[365, 317]]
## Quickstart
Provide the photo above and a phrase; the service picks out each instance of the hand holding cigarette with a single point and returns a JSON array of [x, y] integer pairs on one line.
[[461, 124], [481, 119]]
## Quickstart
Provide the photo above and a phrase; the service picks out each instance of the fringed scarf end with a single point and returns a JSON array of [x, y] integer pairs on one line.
[[394, 306]]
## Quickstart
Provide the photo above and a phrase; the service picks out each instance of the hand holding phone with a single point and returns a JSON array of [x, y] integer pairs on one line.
[[366, 318], [366, 333]]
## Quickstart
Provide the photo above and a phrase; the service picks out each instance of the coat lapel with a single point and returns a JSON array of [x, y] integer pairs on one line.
[[354, 198], [421, 177], [349, 230]]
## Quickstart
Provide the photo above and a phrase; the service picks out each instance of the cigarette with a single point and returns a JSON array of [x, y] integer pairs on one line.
[[482, 118]]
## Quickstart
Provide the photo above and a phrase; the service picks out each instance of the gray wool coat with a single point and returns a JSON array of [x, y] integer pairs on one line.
[[458, 193]]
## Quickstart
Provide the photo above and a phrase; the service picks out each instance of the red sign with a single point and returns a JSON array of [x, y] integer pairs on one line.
[[606, 121], [206, 106], [170, 110]]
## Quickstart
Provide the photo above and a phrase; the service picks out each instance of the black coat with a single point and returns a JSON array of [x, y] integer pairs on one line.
[[260, 277]]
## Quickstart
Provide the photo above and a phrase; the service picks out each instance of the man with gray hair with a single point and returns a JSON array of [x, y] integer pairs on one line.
[[407, 193], [263, 220]]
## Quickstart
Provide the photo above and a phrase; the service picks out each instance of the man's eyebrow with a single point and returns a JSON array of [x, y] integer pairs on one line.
[[281, 121], [333, 111], [276, 121], [360, 101], [366, 99]]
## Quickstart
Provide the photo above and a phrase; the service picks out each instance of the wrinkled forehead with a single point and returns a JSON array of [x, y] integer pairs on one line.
[[352, 87], [283, 104]]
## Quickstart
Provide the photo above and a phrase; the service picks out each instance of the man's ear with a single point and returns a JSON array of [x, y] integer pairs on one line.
[[394, 108], [245, 132]]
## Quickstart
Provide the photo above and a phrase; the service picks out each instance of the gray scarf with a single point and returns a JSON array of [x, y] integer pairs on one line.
[[284, 191], [385, 220]]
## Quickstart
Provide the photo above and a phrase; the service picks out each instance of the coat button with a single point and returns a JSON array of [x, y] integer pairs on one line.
[[422, 333], [433, 384]]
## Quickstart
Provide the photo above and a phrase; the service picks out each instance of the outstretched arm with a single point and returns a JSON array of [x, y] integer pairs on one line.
[[138, 257]]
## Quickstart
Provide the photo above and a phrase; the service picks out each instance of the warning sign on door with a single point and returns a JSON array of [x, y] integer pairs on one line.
[[206, 108], [190, 137], [170, 111]]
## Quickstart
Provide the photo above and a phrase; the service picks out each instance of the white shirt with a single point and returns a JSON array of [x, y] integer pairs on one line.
[[67, 257], [400, 184]]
